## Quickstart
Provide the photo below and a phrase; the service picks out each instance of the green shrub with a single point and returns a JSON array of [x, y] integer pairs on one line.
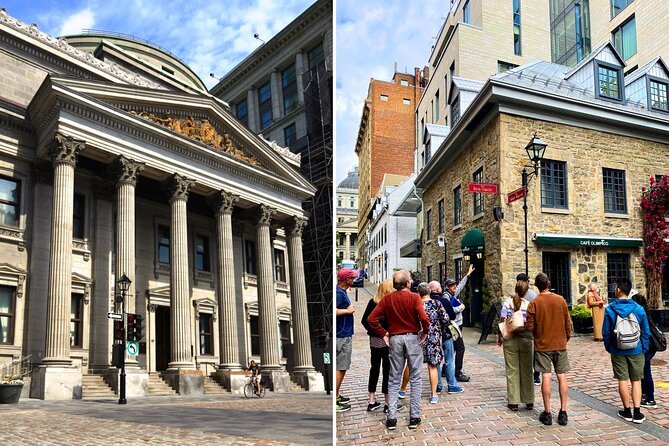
[[580, 312]]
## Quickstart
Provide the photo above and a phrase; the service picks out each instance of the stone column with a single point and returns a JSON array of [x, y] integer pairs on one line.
[[270, 359], [299, 70], [252, 110], [347, 254], [303, 371], [57, 379], [277, 94], [228, 369], [181, 343]]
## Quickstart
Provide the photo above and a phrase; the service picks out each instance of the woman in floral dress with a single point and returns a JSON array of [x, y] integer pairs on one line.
[[432, 351]]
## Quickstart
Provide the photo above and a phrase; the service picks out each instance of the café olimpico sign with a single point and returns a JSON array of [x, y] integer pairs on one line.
[[591, 241]]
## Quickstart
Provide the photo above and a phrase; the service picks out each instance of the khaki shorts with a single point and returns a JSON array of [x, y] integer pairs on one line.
[[558, 358], [628, 367], [344, 349]]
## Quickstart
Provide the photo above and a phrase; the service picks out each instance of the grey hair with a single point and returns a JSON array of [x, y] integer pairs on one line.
[[423, 289]]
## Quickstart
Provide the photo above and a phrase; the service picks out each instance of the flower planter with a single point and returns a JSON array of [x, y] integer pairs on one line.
[[582, 325], [10, 393]]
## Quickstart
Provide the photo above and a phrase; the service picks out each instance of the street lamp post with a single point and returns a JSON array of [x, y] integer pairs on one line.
[[124, 285], [535, 152]]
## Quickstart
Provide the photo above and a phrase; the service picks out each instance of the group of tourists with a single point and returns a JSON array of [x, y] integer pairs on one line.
[[408, 329]]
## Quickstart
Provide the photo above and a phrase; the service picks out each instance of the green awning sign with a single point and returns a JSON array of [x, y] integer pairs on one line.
[[592, 241], [473, 242]]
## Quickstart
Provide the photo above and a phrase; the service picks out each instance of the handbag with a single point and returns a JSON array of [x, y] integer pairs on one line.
[[658, 342], [516, 322], [455, 331]]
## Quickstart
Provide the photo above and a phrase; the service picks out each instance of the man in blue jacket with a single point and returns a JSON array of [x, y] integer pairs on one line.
[[628, 362], [452, 293]]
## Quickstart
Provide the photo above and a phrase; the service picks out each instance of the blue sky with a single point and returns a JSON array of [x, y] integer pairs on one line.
[[210, 36], [369, 42]]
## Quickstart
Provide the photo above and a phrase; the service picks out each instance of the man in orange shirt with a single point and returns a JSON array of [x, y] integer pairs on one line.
[[405, 318], [548, 319]]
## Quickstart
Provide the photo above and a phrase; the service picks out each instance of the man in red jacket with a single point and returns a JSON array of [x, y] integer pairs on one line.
[[405, 318]]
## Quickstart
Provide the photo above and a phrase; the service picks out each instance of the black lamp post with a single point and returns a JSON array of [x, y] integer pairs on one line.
[[535, 152], [123, 285]]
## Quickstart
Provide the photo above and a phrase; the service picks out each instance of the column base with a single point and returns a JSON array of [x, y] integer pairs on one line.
[[185, 382], [232, 380], [136, 381], [277, 380], [309, 379], [56, 383]]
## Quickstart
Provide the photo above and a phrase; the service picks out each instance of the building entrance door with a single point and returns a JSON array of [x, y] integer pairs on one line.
[[556, 265], [162, 338]]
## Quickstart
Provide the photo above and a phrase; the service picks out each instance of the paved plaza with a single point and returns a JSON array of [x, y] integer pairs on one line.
[[279, 419], [479, 415]]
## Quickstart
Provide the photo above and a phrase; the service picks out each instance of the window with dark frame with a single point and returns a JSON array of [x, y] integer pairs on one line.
[[455, 110], [516, 28], [442, 272], [457, 206], [279, 265], [206, 334], [76, 320], [624, 39], [10, 199], [428, 224], [617, 267], [618, 5], [250, 256], [265, 105], [478, 197], [289, 89], [608, 82], [436, 107], [78, 216], [7, 315], [570, 31], [242, 111], [254, 332], [658, 95], [202, 258], [441, 216], [284, 332], [290, 134], [429, 273], [457, 269], [467, 13], [615, 200], [163, 244], [316, 56], [553, 184]]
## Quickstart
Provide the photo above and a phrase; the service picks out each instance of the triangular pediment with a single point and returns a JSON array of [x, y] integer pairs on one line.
[[7, 269], [80, 278], [161, 291]]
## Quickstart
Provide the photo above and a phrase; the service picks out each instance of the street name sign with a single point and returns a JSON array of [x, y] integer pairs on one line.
[[482, 188], [132, 348], [326, 358], [115, 316], [515, 195]]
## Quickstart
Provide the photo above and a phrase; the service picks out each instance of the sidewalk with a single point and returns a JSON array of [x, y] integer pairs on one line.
[[479, 415]]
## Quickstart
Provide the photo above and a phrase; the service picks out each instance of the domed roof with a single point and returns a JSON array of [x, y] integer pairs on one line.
[[351, 181]]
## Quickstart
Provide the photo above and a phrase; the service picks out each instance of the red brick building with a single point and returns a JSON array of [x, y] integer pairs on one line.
[[386, 138]]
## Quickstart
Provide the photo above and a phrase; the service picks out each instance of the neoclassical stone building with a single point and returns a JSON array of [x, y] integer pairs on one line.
[[106, 169]]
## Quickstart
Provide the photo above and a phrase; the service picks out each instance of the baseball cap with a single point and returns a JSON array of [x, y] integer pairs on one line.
[[450, 282], [523, 276], [346, 273]]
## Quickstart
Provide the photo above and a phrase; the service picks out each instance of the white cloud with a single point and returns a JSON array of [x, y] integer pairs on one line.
[[76, 22]]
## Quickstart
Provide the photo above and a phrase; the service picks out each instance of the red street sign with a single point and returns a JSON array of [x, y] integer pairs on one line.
[[515, 195], [482, 188]]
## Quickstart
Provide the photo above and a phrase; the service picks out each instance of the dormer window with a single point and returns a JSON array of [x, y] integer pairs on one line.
[[608, 83], [658, 95]]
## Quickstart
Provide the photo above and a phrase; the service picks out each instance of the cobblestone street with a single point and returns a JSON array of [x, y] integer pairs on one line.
[[278, 419], [479, 415]]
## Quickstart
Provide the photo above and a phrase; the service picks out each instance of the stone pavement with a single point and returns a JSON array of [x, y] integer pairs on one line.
[[278, 419], [479, 415]]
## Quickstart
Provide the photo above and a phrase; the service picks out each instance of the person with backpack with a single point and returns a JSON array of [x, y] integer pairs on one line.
[[647, 384], [626, 335]]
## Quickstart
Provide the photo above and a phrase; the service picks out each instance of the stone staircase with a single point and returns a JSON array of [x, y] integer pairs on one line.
[[295, 387], [212, 387], [158, 387], [95, 387]]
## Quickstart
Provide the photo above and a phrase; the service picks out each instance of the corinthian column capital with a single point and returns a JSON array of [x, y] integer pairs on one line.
[[224, 202], [178, 187], [297, 225], [126, 171], [265, 215], [64, 149]]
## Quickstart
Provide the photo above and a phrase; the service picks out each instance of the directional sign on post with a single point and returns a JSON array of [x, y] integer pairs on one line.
[[326, 358], [515, 195], [114, 316], [482, 188], [132, 348]]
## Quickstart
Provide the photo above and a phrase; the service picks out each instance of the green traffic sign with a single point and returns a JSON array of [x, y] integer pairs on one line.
[[326, 358], [132, 348]]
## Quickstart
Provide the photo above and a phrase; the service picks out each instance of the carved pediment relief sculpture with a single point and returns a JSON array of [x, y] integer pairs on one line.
[[201, 131]]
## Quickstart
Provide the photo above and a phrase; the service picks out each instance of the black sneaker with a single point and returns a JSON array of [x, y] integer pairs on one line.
[[529, 406], [386, 409], [562, 418], [546, 418], [414, 422], [343, 399], [462, 378], [626, 414], [638, 417], [373, 406], [391, 424], [648, 404], [341, 407]]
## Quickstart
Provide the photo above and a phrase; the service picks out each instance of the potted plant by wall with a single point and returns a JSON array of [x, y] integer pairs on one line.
[[655, 205], [10, 390], [581, 318]]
